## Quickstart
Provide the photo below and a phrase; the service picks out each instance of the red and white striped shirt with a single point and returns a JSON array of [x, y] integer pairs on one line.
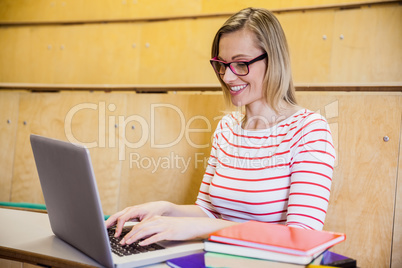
[[279, 175]]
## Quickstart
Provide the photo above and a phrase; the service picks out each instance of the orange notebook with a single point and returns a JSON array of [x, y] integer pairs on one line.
[[272, 241]]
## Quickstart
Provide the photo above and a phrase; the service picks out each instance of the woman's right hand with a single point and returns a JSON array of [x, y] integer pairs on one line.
[[139, 212]]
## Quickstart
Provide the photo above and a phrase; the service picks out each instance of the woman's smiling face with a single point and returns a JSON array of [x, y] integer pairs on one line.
[[242, 46]]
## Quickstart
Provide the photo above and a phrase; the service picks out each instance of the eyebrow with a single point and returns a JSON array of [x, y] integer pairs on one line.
[[240, 56], [235, 57]]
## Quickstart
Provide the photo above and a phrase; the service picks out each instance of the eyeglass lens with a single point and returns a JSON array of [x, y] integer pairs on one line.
[[238, 68]]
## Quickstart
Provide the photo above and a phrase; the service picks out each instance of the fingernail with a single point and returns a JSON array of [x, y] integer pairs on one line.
[[128, 241], [122, 241]]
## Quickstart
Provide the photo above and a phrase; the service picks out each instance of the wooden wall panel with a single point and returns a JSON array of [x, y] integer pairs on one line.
[[82, 54], [363, 192], [15, 54], [236, 5], [367, 45], [150, 147], [396, 260], [169, 137], [176, 52], [5, 263], [78, 10], [310, 42], [82, 10], [173, 52], [8, 131], [10, 264], [87, 118]]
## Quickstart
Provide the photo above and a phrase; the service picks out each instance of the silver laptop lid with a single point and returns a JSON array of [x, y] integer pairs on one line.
[[71, 196]]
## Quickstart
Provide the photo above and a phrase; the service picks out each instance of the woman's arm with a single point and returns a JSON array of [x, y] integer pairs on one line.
[[313, 157], [148, 210], [186, 211], [165, 221], [161, 228]]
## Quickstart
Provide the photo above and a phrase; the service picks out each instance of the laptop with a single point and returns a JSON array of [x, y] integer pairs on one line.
[[75, 212]]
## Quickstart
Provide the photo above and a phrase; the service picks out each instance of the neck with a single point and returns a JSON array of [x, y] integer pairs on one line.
[[262, 116]]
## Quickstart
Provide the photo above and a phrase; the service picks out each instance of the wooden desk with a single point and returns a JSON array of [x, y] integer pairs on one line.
[[27, 237]]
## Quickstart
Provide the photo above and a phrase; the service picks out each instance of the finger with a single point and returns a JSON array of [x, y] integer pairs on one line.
[[141, 231], [129, 236], [122, 218], [148, 217], [111, 221], [153, 239], [131, 214]]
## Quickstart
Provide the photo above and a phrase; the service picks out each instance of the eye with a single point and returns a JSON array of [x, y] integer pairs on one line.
[[221, 67], [240, 67]]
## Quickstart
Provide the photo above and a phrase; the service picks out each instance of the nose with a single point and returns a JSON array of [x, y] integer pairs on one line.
[[229, 75]]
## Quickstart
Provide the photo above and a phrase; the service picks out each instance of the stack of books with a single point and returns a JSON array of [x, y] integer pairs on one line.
[[257, 244], [260, 242]]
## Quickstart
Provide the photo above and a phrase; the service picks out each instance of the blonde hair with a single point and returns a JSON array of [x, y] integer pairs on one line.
[[278, 82]]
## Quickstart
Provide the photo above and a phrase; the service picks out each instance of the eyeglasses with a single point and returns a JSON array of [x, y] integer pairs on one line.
[[239, 68]]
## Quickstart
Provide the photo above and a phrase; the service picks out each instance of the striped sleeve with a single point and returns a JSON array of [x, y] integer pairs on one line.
[[203, 198], [311, 168]]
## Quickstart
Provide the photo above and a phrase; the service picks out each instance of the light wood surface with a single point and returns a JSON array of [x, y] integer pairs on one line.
[[50, 114], [10, 264], [361, 44], [9, 106], [41, 246], [4, 263], [176, 52], [196, 88], [363, 200], [47, 11], [363, 193], [284, 6], [85, 53], [174, 142], [176, 120], [310, 50], [336, 46], [22, 247], [396, 260]]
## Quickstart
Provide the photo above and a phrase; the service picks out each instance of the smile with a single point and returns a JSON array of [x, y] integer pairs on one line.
[[237, 89]]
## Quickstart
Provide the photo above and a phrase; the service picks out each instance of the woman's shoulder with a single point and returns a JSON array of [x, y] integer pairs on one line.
[[305, 117], [310, 125], [229, 122], [232, 118]]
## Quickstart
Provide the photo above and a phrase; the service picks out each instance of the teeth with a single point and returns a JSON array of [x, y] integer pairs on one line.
[[237, 88]]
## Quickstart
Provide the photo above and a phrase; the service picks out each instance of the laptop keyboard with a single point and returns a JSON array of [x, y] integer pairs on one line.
[[127, 250]]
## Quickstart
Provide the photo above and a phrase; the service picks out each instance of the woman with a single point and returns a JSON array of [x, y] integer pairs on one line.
[[274, 163]]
